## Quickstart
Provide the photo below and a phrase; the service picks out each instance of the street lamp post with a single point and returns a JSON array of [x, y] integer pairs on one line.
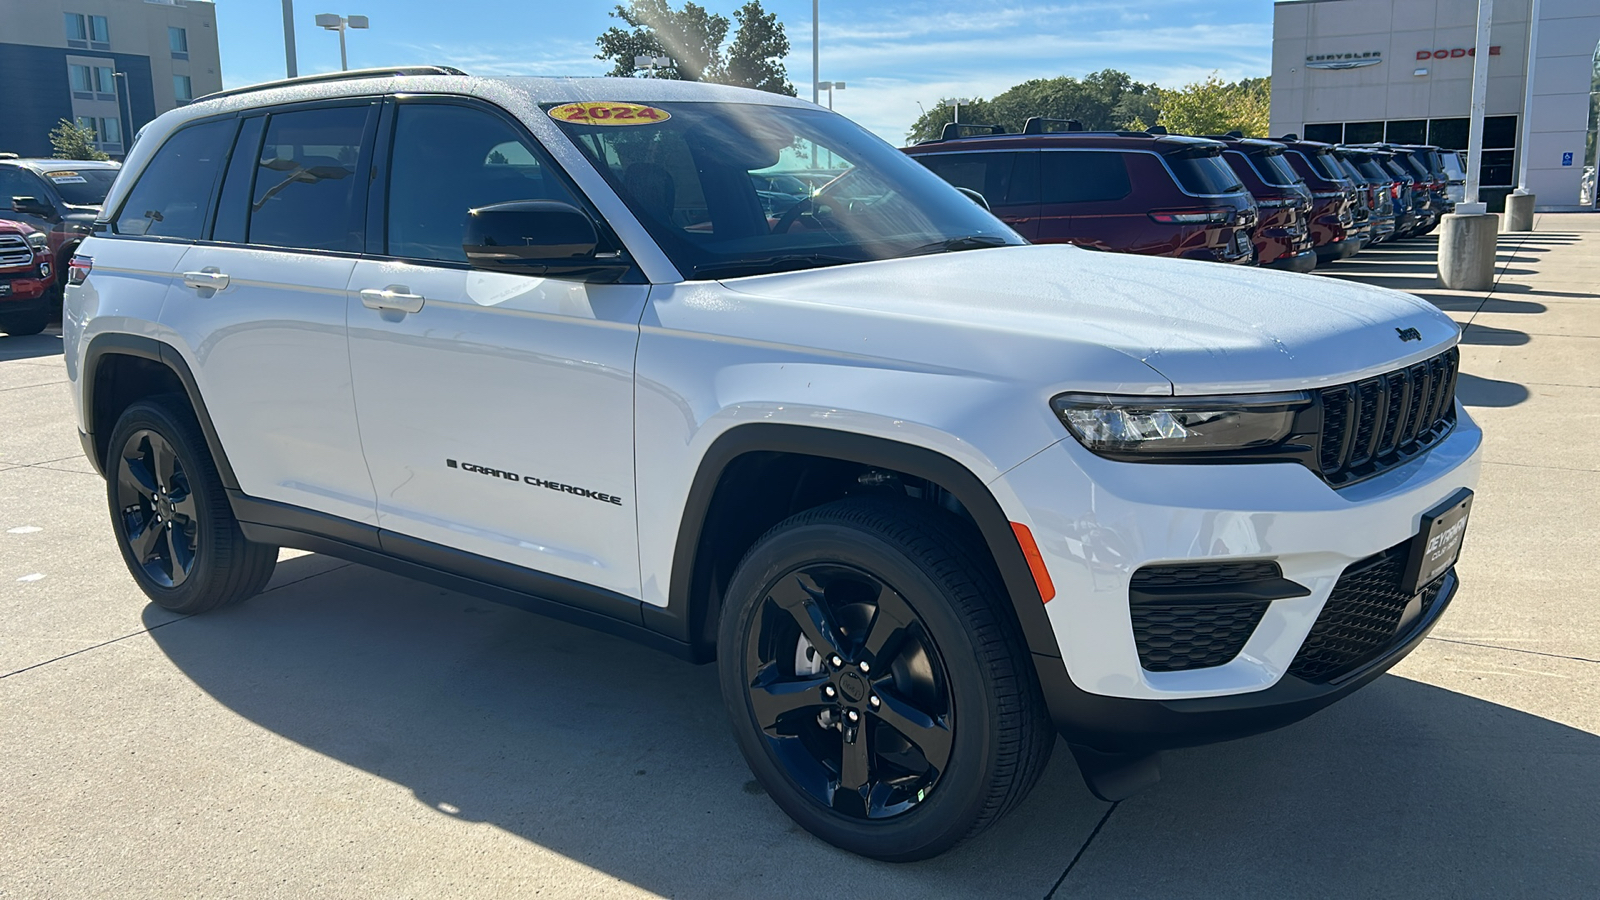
[[125, 123], [288, 39], [339, 24], [830, 87], [816, 70]]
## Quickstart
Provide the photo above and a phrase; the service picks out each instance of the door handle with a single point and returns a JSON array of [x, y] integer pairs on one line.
[[208, 278], [396, 297]]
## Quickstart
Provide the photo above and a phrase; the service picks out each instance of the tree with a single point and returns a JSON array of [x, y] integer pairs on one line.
[[1214, 106], [71, 140], [693, 39], [1107, 100]]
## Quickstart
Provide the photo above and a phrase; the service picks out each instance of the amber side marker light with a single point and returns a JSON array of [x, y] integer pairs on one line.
[[1030, 551]]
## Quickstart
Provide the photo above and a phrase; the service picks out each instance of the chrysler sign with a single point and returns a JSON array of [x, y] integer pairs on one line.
[[1343, 60]]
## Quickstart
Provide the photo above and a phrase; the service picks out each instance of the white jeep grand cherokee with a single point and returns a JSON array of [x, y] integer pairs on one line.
[[720, 371]]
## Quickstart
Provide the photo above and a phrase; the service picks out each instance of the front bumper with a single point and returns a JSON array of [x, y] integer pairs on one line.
[[1304, 261], [1338, 249], [1097, 522], [23, 293]]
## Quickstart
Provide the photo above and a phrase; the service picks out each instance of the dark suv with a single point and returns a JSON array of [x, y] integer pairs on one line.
[[1127, 192], [1372, 190], [1333, 198], [60, 197], [1282, 238]]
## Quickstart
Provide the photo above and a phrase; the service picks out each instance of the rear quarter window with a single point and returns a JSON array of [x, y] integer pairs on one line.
[[173, 193], [1083, 176]]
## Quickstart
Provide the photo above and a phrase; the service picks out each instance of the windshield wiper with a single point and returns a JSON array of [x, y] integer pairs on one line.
[[769, 264], [970, 242]]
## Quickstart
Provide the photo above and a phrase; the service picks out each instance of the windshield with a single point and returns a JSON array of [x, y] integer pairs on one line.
[[740, 189], [1275, 170], [1204, 174], [82, 187]]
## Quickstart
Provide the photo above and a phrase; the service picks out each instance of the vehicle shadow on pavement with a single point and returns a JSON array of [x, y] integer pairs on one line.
[[620, 758], [1475, 390], [31, 346]]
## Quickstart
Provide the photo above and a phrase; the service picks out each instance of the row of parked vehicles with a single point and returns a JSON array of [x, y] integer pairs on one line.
[[1286, 202], [47, 207]]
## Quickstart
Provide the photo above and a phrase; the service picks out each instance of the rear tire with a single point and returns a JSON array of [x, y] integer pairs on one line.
[[22, 324], [171, 516], [876, 680]]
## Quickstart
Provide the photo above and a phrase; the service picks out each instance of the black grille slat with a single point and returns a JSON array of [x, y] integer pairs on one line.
[[1366, 416], [1204, 574], [1361, 619], [1371, 426]]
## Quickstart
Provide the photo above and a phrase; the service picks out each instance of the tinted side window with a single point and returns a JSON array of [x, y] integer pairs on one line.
[[233, 209], [434, 182], [15, 183], [1080, 176], [1203, 174], [306, 191], [173, 193], [987, 173]]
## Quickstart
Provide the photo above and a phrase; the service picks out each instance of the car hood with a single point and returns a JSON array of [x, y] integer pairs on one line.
[[1206, 327]]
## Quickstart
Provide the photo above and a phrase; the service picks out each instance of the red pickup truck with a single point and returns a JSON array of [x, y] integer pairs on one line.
[[26, 282]]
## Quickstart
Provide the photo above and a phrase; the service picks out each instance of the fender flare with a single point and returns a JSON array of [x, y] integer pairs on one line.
[[112, 344], [866, 450]]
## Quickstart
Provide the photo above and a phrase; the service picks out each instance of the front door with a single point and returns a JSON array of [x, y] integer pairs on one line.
[[496, 409]]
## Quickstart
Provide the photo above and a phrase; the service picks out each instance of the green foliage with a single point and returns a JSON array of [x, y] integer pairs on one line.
[[1214, 106], [1107, 100], [693, 38], [70, 140]]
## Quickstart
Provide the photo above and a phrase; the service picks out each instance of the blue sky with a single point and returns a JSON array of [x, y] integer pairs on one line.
[[892, 55]]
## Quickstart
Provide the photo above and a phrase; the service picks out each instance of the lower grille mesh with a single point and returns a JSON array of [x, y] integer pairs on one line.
[[1360, 620], [1173, 638]]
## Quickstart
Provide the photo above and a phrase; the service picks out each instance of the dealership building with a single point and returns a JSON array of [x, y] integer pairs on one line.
[[1358, 71], [110, 64]]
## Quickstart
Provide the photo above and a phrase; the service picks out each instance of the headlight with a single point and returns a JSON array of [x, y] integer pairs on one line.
[[1155, 426], [38, 240]]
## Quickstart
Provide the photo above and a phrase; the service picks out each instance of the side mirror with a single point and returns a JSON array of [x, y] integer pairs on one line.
[[538, 237], [32, 206], [974, 196]]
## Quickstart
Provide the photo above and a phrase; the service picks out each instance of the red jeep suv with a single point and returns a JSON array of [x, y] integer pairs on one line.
[[1282, 236], [1128, 192]]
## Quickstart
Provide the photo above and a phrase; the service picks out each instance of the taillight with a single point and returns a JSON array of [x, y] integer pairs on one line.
[[78, 269], [1193, 216], [1394, 189]]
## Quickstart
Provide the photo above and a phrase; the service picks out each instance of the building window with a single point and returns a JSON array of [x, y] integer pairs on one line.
[[1331, 133], [183, 89], [1406, 131], [1363, 132], [105, 80], [87, 32], [82, 79], [178, 38], [107, 131]]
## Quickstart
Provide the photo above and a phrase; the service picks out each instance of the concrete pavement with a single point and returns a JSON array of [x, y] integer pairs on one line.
[[353, 734]]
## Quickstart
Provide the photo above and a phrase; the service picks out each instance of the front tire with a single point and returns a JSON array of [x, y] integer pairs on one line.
[[22, 324], [171, 515], [876, 680]]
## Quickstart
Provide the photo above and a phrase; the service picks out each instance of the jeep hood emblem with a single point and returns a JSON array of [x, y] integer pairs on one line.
[[1409, 334]]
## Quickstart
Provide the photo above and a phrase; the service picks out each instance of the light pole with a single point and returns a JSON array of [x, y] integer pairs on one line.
[[816, 69], [339, 24], [830, 87], [955, 103], [121, 80], [288, 39], [652, 63]]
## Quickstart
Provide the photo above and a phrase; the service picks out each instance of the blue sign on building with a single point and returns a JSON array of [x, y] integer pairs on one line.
[[1566, 159]]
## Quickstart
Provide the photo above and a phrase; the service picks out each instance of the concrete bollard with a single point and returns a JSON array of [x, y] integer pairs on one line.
[[1519, 212], [1467, 245]]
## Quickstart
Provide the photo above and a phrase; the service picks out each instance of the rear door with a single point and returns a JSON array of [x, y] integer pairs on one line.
[[496, 409], [1084, 199], [261, 307]]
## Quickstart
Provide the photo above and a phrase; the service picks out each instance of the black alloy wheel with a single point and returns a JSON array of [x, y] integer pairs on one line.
[[170, 512], [876, 678], [849, 691], [156, 503]]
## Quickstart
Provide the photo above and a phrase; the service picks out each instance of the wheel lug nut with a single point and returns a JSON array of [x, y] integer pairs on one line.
[[836, 661], [864, 667], [828, 691], [852, 715], [874, 701]]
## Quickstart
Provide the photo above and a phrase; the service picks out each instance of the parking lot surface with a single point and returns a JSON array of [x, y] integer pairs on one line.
[[350, 733]]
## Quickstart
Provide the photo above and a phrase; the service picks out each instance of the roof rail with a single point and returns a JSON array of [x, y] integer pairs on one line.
[[953, 131], [1156, 129], [385, 72], [1289, 136], [1041, 125]]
